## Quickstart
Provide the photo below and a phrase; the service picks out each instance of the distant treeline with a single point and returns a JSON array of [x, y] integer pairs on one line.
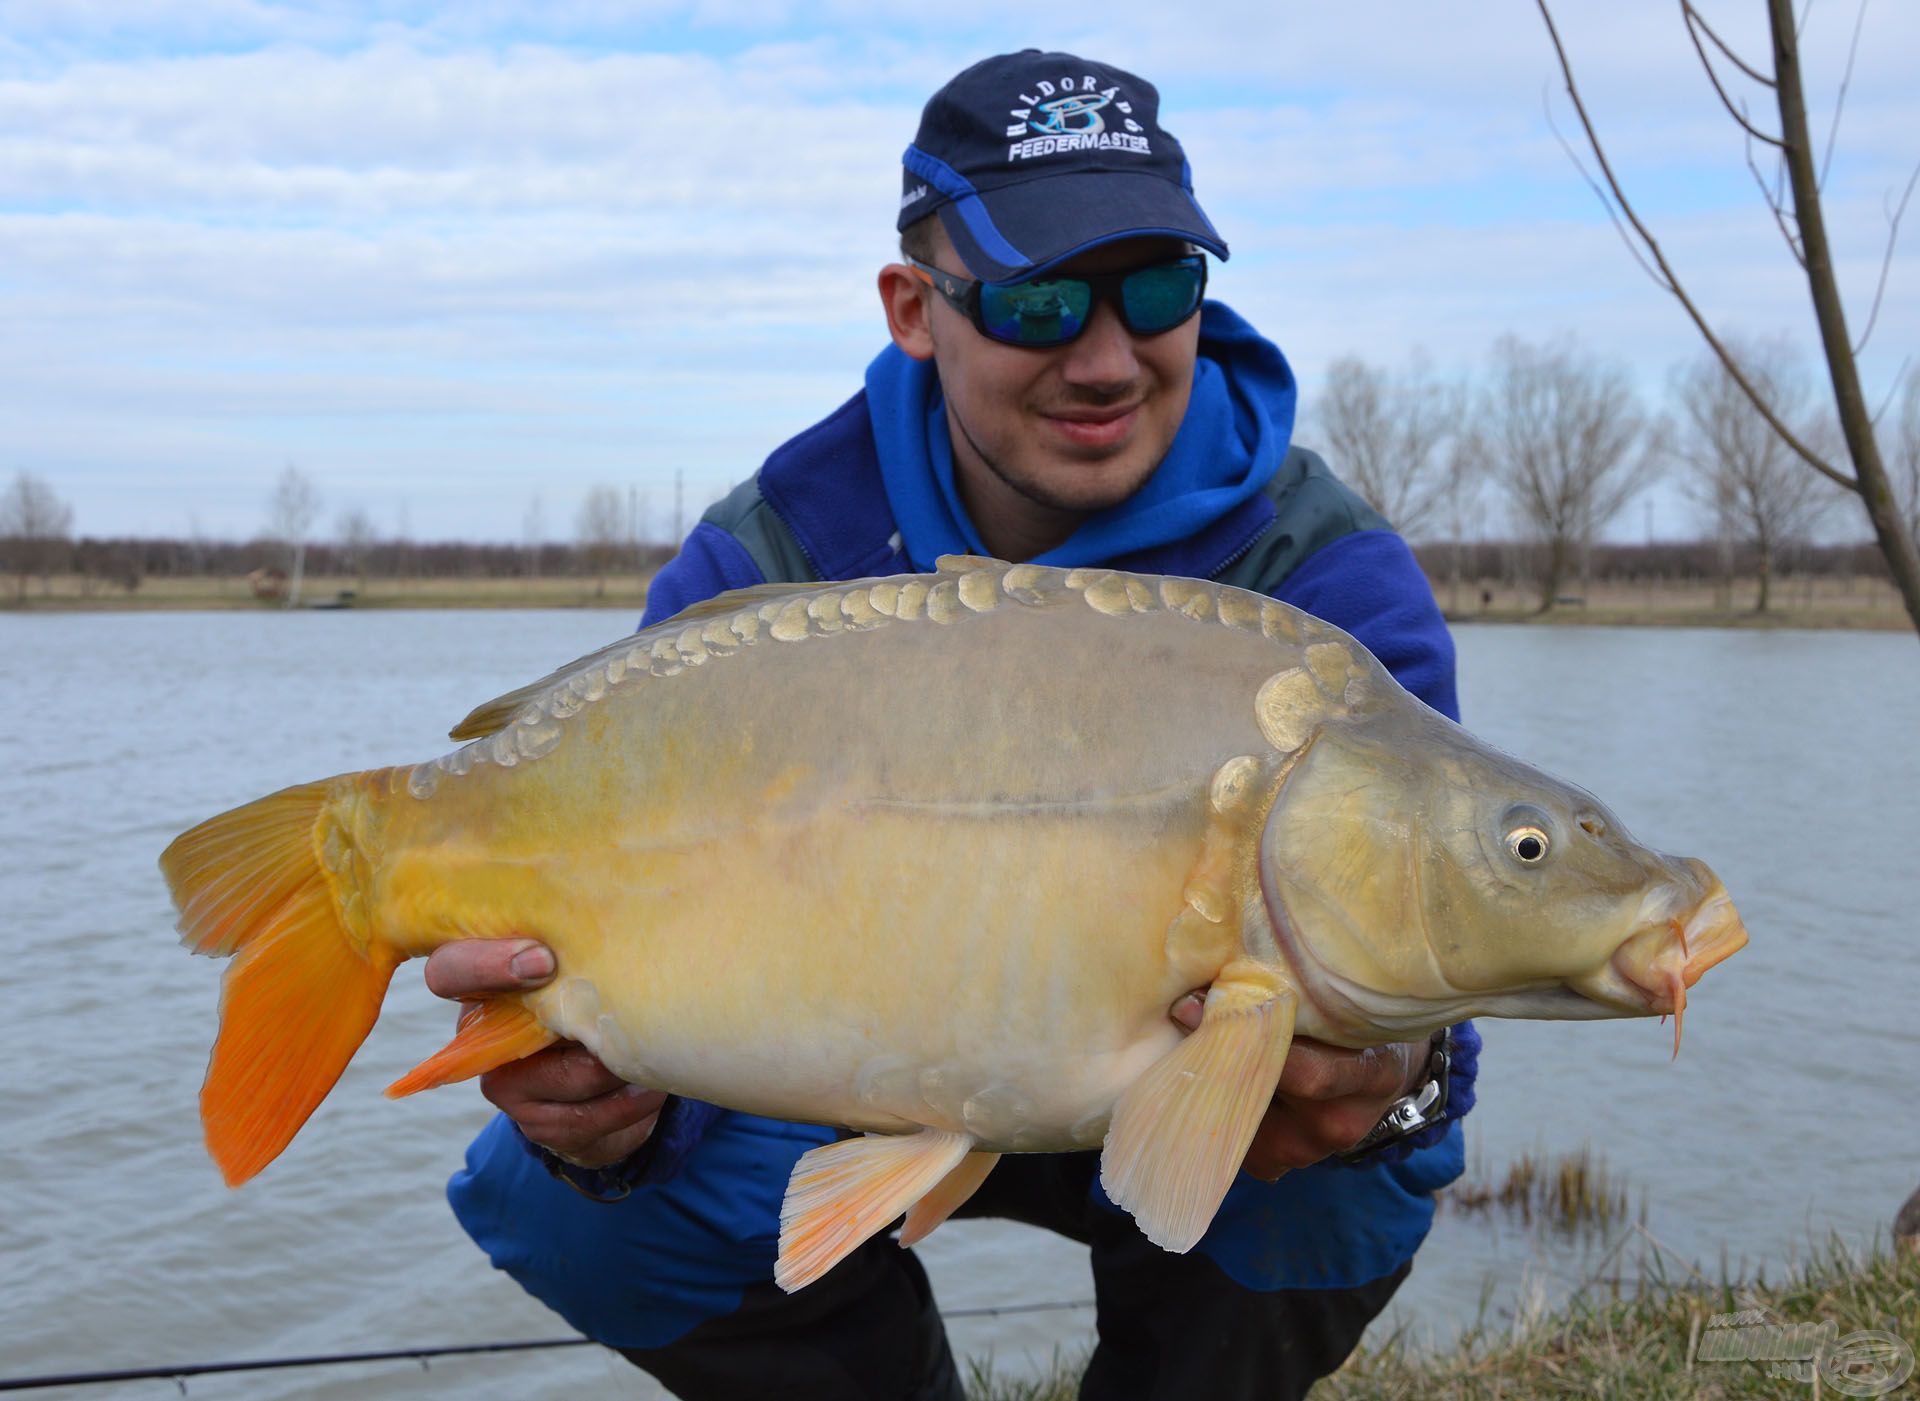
[[124, 561], [1514, 562]]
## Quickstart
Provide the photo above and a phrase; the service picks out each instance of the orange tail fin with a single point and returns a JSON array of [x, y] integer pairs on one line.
[[302, 992]]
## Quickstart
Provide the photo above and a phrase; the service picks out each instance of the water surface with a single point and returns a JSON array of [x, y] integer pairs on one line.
[[1791, 761]]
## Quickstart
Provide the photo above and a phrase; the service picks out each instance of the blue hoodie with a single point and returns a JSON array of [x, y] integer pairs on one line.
[[869, 491]]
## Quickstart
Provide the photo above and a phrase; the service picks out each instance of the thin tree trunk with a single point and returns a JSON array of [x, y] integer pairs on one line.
[[1876, 492], [1766, 571], [1556, 571]]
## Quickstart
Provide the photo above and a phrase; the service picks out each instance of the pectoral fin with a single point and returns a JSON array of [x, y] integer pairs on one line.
[[948, 1197], [490, 1034], [840, 1194], [1180, 1131]]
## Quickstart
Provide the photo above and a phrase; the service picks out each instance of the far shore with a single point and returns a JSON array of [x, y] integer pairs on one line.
[[1862, 604]]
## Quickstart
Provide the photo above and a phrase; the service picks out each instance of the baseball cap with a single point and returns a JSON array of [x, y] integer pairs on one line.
[[1030, 158]]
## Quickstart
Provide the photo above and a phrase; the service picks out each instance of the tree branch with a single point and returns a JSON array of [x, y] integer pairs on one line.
[[1738, 114], [1777, 209], [1886, 261], [1792, 439], [1694, 17], [1840, 100], [1658, 279], [1892, 389]]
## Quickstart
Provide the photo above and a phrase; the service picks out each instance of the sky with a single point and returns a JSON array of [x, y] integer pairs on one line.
[[459, 264]]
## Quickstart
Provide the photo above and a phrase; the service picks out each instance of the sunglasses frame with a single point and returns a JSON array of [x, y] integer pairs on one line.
[[963, 295]]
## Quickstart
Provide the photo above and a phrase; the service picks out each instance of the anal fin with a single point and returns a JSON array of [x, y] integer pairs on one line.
[[491, 1033], [947, 1197], [842, 1193], [1180, 1132]]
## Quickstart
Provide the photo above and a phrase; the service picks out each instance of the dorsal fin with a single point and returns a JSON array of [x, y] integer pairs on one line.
[[966, 564], [737, 601], [493, 716]]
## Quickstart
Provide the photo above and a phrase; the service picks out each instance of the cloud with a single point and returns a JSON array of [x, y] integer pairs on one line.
[[495, 244]]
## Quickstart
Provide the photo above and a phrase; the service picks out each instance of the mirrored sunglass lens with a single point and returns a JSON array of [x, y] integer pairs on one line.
[[1035, 313], [1160, 298]]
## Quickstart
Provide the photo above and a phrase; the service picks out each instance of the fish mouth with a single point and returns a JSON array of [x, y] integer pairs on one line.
[[1650, 972]]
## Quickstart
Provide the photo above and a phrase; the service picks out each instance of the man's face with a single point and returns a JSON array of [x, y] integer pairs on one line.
[[1076, 428]]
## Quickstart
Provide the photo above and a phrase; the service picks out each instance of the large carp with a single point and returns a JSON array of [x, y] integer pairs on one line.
[[931, 857]]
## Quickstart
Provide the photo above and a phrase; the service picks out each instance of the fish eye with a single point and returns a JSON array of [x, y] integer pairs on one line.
[[1528, 833], [1528, 844]]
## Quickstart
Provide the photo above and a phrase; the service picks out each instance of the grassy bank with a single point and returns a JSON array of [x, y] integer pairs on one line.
[[65, 593], [1853, 603], [1673, 1338], [1857, 603]]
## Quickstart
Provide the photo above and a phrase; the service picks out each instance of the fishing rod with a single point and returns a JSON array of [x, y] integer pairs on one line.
[[178, 1374]]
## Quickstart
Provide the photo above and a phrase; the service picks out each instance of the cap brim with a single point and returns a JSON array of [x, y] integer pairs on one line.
[[1021, 229]]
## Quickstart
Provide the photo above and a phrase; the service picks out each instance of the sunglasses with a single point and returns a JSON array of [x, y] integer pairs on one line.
[[1049, 311]]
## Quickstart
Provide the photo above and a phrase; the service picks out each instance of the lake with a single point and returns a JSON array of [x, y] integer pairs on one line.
[[1789, 760]]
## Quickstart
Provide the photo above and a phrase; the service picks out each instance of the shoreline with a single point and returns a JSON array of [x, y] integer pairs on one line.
[[1850, 1320], [1855, 605]]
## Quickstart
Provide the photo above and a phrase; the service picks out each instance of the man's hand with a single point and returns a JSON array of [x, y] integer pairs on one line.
[[1328, 1097], [562, 1098]]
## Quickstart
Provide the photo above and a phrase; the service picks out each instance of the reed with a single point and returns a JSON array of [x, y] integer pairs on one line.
[[1572, 1193]]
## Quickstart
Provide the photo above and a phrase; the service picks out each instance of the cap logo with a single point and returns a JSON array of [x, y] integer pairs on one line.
[[1071, 120]]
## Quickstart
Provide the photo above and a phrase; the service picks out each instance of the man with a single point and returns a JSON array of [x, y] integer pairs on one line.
[[1054, 392]]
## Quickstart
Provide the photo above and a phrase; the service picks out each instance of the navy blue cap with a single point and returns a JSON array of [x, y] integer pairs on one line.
[[1031, 158]]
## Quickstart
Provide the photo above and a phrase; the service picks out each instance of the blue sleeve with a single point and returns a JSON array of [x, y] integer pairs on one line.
[[1369, 585], [710, 562]]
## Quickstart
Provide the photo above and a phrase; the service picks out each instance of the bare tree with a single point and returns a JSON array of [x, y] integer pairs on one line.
[[1758, 491], [603, 525], [1565, 436], [1463, 504], [1388, 433], [356, 535], [1793, 197], [533, 529], [36, 525], [1906, 456], [290, 515]]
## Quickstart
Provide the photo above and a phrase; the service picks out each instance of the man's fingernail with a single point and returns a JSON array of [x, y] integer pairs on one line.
[[635, 1091], [532, 964]]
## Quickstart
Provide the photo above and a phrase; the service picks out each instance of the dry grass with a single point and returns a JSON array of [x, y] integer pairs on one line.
[[1797, 603], [1061, 1382], [71, 593], [1573, 1194], [1645, 1347], [1648, 1345], [1847, 602]]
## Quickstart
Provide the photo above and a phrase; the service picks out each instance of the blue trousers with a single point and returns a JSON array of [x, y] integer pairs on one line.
[[678, 1276]]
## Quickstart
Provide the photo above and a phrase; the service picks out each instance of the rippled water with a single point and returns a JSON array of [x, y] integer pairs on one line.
[[1790, 760]]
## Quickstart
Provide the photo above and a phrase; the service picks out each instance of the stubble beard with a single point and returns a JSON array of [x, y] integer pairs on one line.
[[1029, 489]]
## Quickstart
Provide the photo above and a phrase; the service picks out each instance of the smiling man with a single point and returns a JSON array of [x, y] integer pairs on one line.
[[1056, 390]]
